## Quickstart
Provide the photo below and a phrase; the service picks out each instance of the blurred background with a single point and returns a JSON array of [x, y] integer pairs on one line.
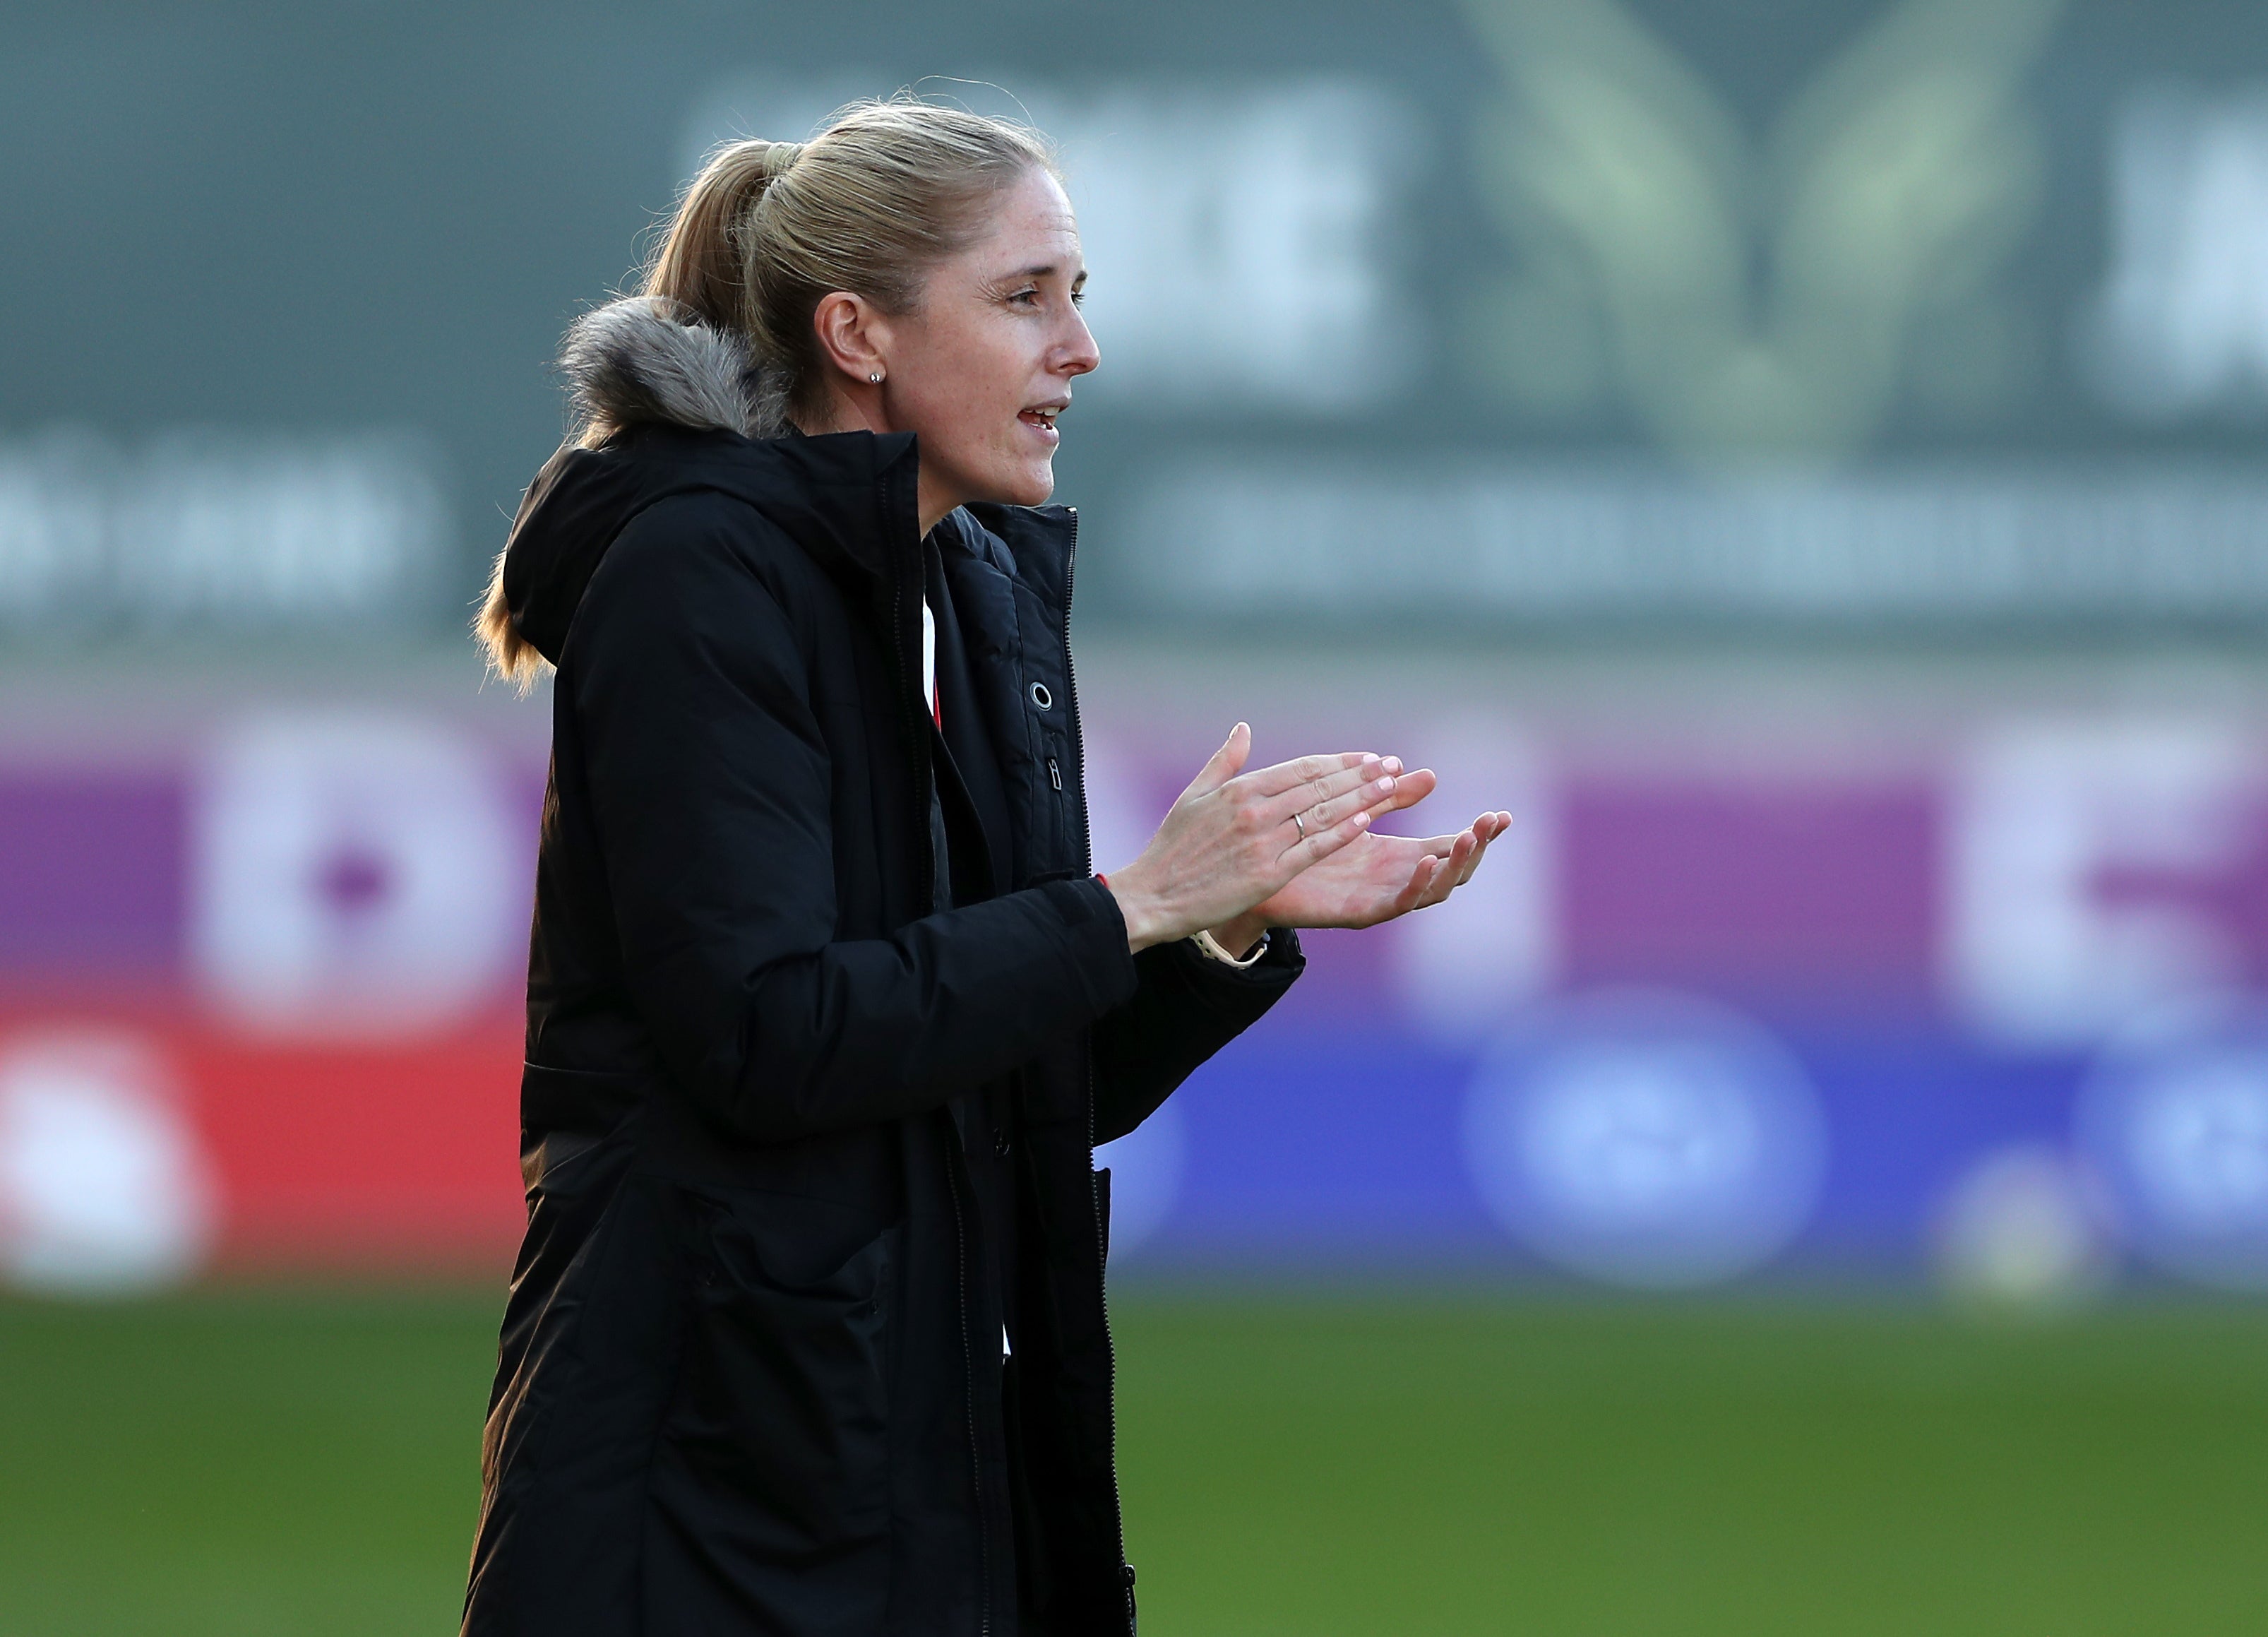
[[1805, 460]]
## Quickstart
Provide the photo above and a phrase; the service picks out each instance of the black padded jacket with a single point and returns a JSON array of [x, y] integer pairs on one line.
[[749, 1380]]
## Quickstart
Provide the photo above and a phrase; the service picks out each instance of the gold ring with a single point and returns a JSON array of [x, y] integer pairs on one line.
[[1301, 825]]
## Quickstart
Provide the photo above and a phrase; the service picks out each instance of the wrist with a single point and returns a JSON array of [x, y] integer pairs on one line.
[[1241, 936], [1143, 917]]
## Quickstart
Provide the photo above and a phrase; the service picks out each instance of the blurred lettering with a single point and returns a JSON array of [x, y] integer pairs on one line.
[[1238, 240], [1603, 538], [213, 529], [2182, 324], [2075, 853]]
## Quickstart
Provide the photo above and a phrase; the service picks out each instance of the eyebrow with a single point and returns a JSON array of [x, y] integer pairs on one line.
[[1041, 270]]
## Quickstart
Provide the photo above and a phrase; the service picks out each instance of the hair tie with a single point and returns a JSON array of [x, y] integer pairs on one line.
[[778, 157]]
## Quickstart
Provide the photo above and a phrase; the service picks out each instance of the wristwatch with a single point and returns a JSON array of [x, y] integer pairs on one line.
[[1209, 947]]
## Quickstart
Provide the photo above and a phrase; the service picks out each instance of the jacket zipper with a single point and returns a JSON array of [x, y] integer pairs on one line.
[[923, 727], [1093, 1188], [917, 721], [968, 1407], [1109, 1344], [1071, 683]]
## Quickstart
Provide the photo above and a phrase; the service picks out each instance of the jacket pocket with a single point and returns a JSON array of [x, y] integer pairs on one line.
[[566, 1117], [771, 1482]]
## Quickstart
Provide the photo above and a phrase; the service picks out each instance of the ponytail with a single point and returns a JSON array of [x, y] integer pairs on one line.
[[701, 264]]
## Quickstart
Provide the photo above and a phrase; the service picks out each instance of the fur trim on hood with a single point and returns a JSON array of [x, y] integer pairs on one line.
[[644, 360], [641, 361]]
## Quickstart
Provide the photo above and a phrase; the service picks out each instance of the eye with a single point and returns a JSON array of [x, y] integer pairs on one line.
[[1029, 296], [1078, 296]]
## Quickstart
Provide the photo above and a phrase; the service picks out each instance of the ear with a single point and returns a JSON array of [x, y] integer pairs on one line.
[[854, 338]]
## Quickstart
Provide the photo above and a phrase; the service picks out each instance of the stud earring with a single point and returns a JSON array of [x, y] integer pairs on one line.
[[876, 379]]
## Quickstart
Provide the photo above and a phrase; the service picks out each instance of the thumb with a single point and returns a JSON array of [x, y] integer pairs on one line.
[[1227, 764]]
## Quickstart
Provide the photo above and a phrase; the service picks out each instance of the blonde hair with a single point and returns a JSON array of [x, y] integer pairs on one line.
[[869, 205]]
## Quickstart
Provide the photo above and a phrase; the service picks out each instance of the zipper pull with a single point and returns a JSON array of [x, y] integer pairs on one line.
[[1055, 773]]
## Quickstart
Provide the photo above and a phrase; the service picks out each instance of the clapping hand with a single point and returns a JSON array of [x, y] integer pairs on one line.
[[1290, 845], [1375, 878]]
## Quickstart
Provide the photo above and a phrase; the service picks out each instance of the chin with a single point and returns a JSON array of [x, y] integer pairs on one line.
[[1029, 488]]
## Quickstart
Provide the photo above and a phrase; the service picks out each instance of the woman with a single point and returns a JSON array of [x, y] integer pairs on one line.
[[826, 1008]]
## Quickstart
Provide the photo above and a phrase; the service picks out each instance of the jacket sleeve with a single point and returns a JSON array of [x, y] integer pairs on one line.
[[710, 786], [1187, 1007]]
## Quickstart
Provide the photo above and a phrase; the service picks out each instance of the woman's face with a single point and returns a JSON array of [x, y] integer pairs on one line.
[[979, 372]]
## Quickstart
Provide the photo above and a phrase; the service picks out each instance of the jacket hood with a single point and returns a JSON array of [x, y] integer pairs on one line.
[[669, 405]]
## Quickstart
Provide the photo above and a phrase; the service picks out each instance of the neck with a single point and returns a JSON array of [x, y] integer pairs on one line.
[[860, 409]]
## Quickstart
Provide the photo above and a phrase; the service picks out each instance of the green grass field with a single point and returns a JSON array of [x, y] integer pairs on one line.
[[269, 1463]]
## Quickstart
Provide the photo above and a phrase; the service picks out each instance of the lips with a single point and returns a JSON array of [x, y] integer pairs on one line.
[[1041, 417]]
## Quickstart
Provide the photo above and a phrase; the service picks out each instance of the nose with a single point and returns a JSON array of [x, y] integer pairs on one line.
[[1078, 355]]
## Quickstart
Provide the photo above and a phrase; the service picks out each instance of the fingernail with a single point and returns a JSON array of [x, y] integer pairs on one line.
[[1384, 784]]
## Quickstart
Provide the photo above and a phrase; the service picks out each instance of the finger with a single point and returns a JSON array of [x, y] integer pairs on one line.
[[1483, 830], [1472, 862], [1413, 788], [1450, 868], [1407, 790], [1274, 781], [1321, 843], [1440, 845], [1448, 863], [1374, 797], [1496, 825], [1421, 878], [1226, 763], [1314, 792]]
